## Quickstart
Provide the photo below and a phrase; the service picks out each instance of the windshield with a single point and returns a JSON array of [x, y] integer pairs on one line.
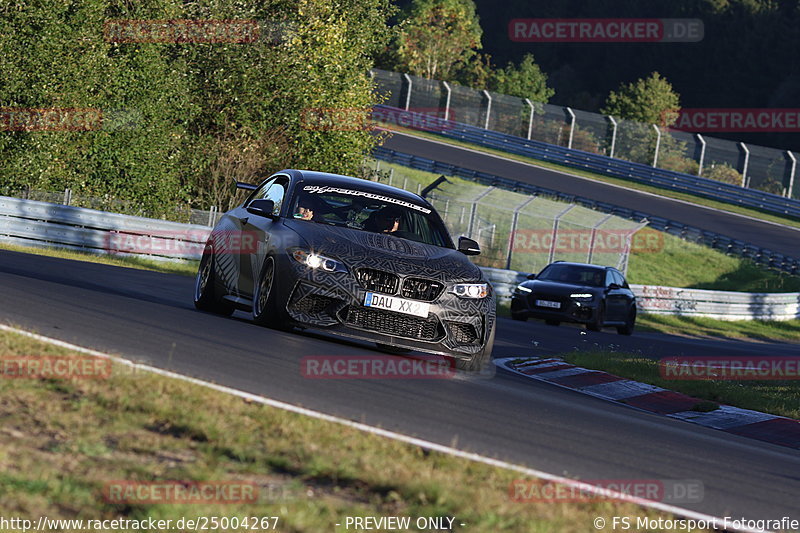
[[577, 275], [367, 211]]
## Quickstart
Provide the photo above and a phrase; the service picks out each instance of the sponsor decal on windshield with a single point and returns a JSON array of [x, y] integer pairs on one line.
[[320, 189]]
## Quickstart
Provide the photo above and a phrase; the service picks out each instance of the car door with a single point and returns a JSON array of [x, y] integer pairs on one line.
[[616, 301], [257, 233]]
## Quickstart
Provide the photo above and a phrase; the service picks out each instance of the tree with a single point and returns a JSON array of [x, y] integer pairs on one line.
[[438, 38], [525, 81], [648, 100]]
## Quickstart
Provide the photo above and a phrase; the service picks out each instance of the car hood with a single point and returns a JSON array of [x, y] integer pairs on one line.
[[552, 287], [365, 249]]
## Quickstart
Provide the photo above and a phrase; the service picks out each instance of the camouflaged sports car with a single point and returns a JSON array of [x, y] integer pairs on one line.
[[353, 257]]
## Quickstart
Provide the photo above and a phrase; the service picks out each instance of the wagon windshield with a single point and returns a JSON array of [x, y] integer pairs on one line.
[[369, 211]]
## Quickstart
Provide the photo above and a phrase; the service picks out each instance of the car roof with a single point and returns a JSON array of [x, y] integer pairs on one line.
[[569, 263], [338, 180]]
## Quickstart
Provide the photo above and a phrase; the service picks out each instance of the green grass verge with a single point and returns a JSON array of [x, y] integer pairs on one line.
[[757, 330], [628, 184], [185, 268], [64, 440], [777, 397]]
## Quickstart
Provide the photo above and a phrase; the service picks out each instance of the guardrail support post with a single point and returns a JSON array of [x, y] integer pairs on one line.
[[488, 108], [447, 102], [530, 119], [514, 220], [67, 196], [408, 90], [791, 173], [571, 126], [658, 145], [745, 181], [702, 154], [613, 135]]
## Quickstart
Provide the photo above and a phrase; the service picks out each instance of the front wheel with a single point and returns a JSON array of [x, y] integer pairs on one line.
[[205, 286], [597, 323], [480, 361], [266, 310], [630, 323]]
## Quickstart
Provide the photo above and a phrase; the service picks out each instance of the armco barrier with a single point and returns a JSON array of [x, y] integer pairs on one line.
[[33, 223], [601, 164], [761, 256], [723, 305]]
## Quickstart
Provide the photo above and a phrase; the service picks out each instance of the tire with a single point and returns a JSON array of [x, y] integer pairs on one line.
[[597, 323], [266, 310], [553, 322], [630, 323], [480, 360], [205, 286]]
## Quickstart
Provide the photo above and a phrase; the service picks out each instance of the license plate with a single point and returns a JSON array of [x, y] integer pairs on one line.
[[398, 305], [547, 303]]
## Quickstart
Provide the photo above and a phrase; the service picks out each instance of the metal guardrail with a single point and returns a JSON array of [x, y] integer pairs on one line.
[[722, 305], [759, 255], [33, 223], [618, 168]]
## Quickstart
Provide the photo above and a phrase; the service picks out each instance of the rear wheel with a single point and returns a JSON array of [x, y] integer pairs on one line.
[[597, 323], [205, 286], [266, 310], [630, 323]]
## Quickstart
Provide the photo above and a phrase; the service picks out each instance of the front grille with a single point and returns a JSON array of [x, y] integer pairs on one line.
[[393, 324], [421, 289], [378, 280], [312, 304], [463, 333]]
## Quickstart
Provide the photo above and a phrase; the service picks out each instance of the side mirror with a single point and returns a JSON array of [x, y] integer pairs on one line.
[[614, 287], [531, 276], [262, 208], [468, 247]]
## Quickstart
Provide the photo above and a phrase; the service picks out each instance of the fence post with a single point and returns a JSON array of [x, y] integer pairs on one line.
[[514, 219], [571, 126], [391, 176], [211, 212], [530, 120], [791, 173], [475, 209], [658, 145], [408, 91], [613, 135], [67, 196], [594, 235], [447, 102], [488, 108], [745, 181], [555, 233], [702, 154]]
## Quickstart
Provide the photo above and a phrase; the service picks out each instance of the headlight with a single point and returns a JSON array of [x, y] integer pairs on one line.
[[522, 288], [471, 290], [582, 296], [317, 261]]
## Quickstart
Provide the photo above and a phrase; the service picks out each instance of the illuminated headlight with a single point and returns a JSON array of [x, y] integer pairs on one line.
[[522, 288], [471, 290], [317, 261], [582, 296]]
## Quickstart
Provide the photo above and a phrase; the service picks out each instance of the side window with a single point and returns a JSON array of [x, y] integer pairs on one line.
[[620, 279], [275, 190], [610, 278]]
